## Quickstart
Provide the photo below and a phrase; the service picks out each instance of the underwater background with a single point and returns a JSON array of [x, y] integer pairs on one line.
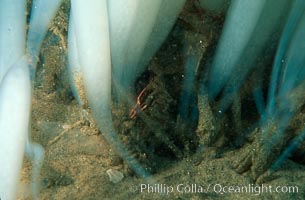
[[195, 138]]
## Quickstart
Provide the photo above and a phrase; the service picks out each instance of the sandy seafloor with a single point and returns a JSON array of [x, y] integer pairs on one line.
[[77, 156]]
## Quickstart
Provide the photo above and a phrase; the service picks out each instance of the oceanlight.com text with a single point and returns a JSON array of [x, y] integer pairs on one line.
[[214, 188]]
